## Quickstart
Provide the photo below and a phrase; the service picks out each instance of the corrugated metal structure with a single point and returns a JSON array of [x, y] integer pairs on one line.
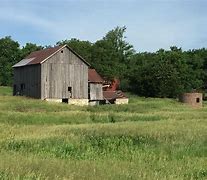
[[56, 73], [115, 97], [113, 85]]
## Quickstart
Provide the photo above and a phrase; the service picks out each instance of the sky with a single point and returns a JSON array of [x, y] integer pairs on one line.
[[151, 24]]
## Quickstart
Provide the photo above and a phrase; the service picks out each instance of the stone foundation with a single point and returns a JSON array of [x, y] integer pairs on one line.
[[83, 102], [93, 103], [122, 101], [78, 102], [192, 99], [54, 100]]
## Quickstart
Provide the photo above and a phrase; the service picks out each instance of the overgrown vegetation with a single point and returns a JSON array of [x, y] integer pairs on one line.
[[148, 139], [165, 73]]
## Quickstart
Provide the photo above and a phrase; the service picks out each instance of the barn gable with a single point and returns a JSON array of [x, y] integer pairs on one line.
[[65, 56], [63, 71]]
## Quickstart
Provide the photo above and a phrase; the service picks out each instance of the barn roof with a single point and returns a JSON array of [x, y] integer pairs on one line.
[[94, 77], [112, 95], [38, 57]]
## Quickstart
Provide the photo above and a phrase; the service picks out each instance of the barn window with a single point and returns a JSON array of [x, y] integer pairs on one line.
[[197, 100], [70, 91], [62, 51], [22, 86]]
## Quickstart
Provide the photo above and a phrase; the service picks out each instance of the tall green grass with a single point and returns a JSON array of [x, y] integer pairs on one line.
[[146, 139], [5, 91]]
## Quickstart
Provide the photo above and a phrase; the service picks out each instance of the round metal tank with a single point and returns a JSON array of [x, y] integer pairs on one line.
[[192, 99]]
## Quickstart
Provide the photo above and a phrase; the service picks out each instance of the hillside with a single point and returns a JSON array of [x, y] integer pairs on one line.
[[147, 139]]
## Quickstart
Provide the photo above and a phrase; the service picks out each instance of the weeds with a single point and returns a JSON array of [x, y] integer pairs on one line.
[[147, 139]]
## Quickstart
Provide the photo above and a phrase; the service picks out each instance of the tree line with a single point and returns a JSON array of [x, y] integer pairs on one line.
[[164, 73]]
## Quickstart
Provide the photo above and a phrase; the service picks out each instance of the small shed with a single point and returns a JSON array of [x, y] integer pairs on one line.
[[193, 99], [95, 87]]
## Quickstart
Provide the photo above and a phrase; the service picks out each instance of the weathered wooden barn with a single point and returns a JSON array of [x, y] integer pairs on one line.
[[54, 74], [95, 87]]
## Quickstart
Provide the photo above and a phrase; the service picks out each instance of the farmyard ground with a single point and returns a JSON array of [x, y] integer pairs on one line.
[[147, 139]]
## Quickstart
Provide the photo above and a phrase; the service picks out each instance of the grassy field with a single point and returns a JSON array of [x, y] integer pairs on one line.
[[147, 139]]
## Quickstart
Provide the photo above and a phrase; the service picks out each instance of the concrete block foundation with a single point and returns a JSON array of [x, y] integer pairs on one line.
[[122, 101], [54, 100], [78, 102]]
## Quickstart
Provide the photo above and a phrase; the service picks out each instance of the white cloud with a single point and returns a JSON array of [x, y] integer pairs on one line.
[[29, 19]]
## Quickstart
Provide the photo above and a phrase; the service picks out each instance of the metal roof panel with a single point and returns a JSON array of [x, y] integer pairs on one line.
[[94, 77], [24, 62]]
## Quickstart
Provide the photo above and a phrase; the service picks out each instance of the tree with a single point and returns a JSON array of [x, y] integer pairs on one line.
[[28, 48], [9, 55], [111, 54], [166, 73]]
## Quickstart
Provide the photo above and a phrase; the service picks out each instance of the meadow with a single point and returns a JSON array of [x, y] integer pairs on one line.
[[150, 138]]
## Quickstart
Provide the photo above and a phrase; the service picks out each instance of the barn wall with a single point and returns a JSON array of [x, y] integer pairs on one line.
[[61, 71], [29, 77], [96, 92]]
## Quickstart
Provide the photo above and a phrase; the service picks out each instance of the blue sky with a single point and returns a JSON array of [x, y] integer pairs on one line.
[[151, 24]]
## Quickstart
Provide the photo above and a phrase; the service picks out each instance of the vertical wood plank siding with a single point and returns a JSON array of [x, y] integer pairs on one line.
[[61, 71], [96, 92], [30, 77]]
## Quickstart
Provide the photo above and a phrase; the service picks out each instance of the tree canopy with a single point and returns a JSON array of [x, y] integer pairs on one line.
[[9, 55], [165, 73], [111, 54], [28, 48]]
